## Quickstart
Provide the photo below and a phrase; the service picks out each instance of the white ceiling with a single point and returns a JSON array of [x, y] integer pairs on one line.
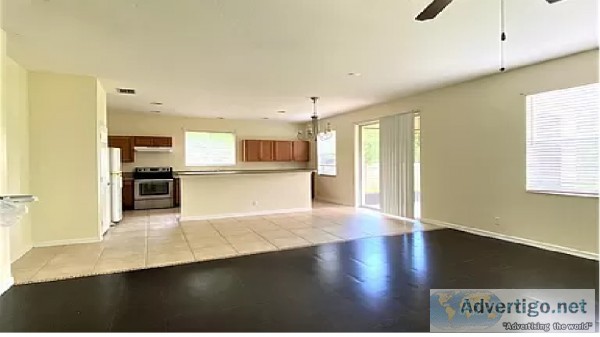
[[249, 58]]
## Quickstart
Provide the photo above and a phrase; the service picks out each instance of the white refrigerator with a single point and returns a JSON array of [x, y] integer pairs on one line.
[[116, 185]]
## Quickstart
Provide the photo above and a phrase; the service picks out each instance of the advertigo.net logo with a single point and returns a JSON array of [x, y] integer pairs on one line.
[[522, 306], [512, 310]]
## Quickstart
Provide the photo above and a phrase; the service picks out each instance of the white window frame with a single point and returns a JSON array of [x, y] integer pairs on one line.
[[185, 148], [534, 186], [319, 172]]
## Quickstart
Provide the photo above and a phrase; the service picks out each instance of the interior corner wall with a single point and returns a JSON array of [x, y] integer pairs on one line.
[[101, 147], [6, 279], [63, 158], [17, 152], [473, 156]]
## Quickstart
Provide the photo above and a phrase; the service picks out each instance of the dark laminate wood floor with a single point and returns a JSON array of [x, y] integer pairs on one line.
[[374, 284]]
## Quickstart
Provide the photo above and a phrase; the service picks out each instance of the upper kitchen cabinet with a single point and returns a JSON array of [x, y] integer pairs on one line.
[[162, 141], [251, 150], [266, 150], [301, 150], [258, 150], [152, 141], [282, 150], [125, 143], [275, 150]]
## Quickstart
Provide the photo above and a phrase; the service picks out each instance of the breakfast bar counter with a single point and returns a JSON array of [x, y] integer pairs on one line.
[[231, 193]]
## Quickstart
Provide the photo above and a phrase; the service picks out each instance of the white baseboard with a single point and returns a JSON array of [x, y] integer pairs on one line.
[[515, 239], [66, 242], [232, 215], [6, 284], [330, 201]]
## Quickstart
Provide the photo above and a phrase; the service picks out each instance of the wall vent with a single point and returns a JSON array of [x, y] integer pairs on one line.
[[126, 91]]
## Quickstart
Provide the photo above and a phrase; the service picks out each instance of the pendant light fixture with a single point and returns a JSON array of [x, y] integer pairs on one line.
[[313, 130]]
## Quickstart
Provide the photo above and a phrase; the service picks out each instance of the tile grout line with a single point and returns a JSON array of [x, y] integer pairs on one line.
[[187, 241], [44, 265]]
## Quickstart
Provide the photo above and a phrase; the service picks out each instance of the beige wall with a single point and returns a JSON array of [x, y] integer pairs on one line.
[[5, 274], [17, 132], [63, 157], [473, 156], [244, 194], [137, 124], [102, 150]]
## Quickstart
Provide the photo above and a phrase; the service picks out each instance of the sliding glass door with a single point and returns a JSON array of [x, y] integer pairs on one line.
[[369, 165], [369, 169], [417, 170]]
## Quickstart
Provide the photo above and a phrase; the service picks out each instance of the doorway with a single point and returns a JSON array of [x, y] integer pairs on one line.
[[417, 168], [369, 165]]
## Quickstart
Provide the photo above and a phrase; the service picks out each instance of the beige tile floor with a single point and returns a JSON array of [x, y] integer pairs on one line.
[[155, 238]]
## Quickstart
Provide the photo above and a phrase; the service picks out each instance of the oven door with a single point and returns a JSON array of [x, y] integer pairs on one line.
[[153, 189]]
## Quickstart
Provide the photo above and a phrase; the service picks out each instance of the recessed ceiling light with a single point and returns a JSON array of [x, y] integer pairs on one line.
[[156, 103], [281, 111], [220, 118], [354, 74], [155, 111], [265, 118]]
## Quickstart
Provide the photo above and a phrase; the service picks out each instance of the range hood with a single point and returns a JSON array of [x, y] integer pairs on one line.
[[153, 149]]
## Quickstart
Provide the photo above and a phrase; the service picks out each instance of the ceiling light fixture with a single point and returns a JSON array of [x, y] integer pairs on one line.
[[313, 131], [354, 74], [220, 118], [280, 111], [156, 103], [155, 111]]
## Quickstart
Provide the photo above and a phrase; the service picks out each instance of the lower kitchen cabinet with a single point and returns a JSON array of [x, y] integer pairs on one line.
[[176, 192], [127, 194]]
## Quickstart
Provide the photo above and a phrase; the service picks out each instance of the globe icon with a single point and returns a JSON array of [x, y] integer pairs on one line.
[[446, 314]]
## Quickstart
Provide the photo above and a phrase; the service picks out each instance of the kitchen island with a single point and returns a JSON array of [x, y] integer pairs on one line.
[[221, 194]]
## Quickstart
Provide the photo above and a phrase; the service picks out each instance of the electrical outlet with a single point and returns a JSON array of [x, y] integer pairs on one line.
[[497, 221]]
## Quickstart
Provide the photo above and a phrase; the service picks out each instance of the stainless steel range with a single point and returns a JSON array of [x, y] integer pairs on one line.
[[153, 187]]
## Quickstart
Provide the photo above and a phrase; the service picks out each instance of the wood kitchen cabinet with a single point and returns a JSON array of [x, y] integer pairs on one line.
[[162, 141], [275, 150], [125, 143], [176, 192], [127, 194], [266, 150], [251, 150], [282, 150], [152, 141], [258, 150], [301, 150]]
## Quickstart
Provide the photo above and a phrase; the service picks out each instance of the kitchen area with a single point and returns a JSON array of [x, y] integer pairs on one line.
[[160, 187], [146, 187]]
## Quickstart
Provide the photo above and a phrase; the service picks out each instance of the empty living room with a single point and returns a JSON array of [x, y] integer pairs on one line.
[[299, 166]]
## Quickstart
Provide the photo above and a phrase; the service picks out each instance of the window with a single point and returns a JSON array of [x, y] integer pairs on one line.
[[562, 141], [326, 156], [209, 148]]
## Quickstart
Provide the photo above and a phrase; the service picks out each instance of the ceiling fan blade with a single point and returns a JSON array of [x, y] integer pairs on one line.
[[434, 9], [552, 1]]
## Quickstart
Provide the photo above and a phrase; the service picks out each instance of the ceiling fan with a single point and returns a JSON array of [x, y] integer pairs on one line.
[[437, 6]]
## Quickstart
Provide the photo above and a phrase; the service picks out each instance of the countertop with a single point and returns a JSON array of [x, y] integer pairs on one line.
[[234, 172]]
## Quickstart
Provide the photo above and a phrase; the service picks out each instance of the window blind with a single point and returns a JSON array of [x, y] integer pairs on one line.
[[209, 148], [562, 141]]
